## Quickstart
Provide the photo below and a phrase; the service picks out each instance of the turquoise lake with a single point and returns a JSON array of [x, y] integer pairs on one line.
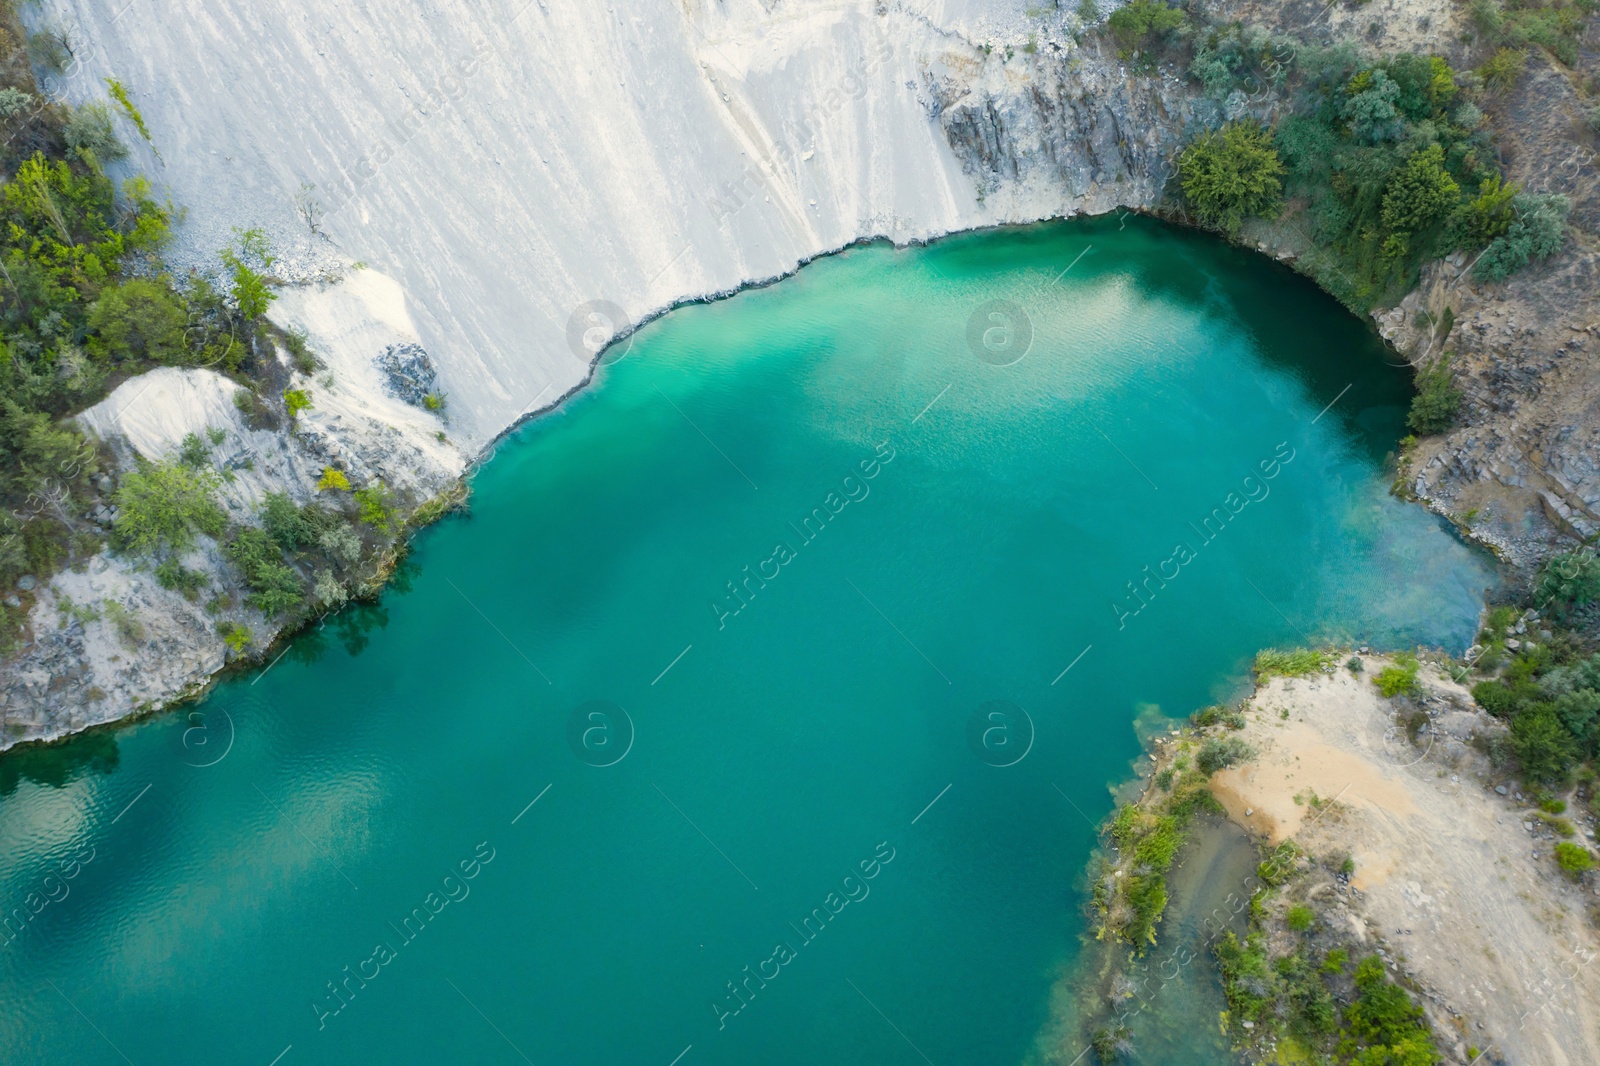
[[762, 707]]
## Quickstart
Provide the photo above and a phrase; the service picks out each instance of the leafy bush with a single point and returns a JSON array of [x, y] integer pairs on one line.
[[1419, 194], [284, 522], [296, 400], [1495, 698], [341, 543], [250, 293], [235, 635], [1218, 753], [1438, 401], [329, 590], [1574, 860], [1232, 173], [375, 506], [275, 588], [139, 319], [1501, 70], [333, 479], [164, 507], [1537, 231], [90, 136], [1542, 745], [1398, 678], [171, 574], [1134, 24], [300, 353], [1569, 580], [1383, 1013], [1300, 917]]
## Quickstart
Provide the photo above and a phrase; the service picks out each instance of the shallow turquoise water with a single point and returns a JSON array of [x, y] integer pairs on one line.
[[938, 538]]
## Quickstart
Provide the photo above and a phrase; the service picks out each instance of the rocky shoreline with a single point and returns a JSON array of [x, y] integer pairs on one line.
[[1377, 827]]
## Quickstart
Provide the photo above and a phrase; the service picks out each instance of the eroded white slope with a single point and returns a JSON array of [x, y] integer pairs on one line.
[[508, 161]]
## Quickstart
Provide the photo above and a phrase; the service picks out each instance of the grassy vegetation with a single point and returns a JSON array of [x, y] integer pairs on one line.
[[1131, 894], [1398, 678], [1294, 662]]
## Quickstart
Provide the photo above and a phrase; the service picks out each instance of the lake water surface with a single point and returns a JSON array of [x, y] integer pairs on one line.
[[763, 707]]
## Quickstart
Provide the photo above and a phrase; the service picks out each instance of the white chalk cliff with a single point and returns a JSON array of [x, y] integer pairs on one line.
[[523, 178]]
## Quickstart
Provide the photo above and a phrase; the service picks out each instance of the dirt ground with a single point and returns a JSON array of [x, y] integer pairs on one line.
[[1454, 880]]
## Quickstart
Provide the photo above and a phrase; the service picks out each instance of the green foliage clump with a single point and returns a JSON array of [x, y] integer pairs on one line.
[[333, 478], [1300, 917], [1544, 747], [1536, 230], [1139, 23], [250, 292], [1231, 174], [1574, 860], [1501, 70], [164, 507], [1437, 402], [375, 506], [1219, 753], [1388, 1021], [171, 574], [275, 588], [139, 320], [1569, 580], [296, 401], [1398, 678], [1420, 193], [235, 635], [120, 94], [89, 135], [289, 528], [1235, 56]]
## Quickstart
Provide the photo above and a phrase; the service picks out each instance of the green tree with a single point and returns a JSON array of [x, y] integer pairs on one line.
[[1434, 408], [285, 523], [1232, 173], [275, 588], [1568, 580], [139, 319], [1537, 231], [164, 507], [1133, 24], [1543, 746], [1420, 193]]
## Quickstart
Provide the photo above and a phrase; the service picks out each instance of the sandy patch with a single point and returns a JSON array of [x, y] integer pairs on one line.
[[1451, 880]]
